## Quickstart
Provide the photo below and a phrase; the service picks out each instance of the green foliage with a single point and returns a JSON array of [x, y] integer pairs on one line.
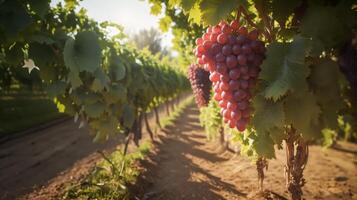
[[102, 80], [211, 119], [214, 11], [21, 109], [285, 69], [83, 53], [282, 9], [109, 178]]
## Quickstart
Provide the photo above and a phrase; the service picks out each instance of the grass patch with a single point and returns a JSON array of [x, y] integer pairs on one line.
[[23, 110], [109, 179]]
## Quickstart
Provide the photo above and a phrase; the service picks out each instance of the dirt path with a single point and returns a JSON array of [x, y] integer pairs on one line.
[[41, 164], [34, 159], [186, 166]]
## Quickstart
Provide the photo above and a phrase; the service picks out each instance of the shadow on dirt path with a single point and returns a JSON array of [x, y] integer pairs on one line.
[[34, 159], [186, 166], [182, 166]]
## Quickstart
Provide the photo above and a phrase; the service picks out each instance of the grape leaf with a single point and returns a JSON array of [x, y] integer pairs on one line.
[[83, 53], [101, 80], [156, 8], [303, 113], [213, 11], [117, 69], [195, 14], [105, 127], [74, 79], [165, 23], [94, 110], [267, 114], [42, 39], [128, 116], [277, 135], [284, 68], [40, 7], [264, 145], [325, 25], [173, 3], [187, 5], [324, 82], [115, 93]]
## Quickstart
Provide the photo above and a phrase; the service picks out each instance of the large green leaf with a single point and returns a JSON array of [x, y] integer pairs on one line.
[[324, 81], [284, 69], [115, 93], [267, 114], [117, 69], [74, 79], [303, 113], [83, 53], [325, 25], [213, 11], [264, 145], [94, 110], [101, 80]]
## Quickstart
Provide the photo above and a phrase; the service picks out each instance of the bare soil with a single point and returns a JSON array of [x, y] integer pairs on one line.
[[185, 166], [30, 161]]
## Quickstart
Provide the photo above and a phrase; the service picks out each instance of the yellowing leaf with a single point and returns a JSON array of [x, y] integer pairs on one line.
[[173, 3], [156, 8], [195, 14], [165, 23]]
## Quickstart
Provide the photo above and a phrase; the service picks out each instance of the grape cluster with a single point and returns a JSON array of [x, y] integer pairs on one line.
[[233, 57], [200, 83]]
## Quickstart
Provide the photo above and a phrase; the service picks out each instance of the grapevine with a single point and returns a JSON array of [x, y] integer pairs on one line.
[[200, 84], [105, 84], [233, 57]]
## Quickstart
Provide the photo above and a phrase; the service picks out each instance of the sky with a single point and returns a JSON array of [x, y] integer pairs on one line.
[[134, 15]]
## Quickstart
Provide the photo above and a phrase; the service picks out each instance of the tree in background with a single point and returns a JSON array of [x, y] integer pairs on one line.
[[151, 39]]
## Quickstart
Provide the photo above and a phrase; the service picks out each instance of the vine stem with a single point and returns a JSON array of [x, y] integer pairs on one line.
[[148, 129], [297, 153], [261, 164], [269, 24], [251, 23], [157, 119]]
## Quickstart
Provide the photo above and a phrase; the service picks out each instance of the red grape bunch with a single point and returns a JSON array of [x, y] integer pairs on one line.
[[233, 57], [200, 83]]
